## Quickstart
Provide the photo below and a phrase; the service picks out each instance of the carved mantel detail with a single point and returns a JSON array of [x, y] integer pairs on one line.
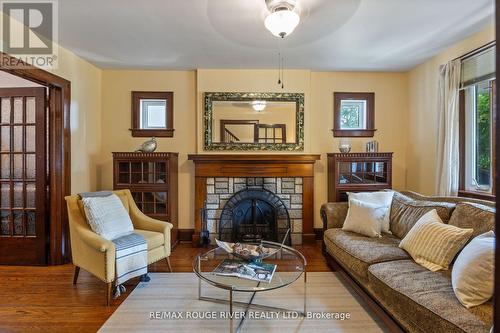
[[256, 165]]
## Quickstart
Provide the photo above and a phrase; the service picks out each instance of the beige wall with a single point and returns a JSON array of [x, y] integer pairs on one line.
[[391, 101], [85, 119], [404, 103], [85, 115], [422, 133], [116, 100], [391, 105], [391, 115]]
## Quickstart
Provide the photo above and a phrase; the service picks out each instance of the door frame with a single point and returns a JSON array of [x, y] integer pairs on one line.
[[59, 153]]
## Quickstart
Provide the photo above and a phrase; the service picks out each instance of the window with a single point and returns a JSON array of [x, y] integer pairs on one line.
[[152, 114], [477, 124], [354, 114]]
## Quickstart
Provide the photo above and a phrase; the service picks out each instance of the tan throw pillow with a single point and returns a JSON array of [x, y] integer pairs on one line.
[[433, 244]]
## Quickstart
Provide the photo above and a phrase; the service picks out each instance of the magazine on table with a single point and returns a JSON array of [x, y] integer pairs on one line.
[[257, 271]]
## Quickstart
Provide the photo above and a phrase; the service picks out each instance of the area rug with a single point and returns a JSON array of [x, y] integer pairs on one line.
[[169, 303]]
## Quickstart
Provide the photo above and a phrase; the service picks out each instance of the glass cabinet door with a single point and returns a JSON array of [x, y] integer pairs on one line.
[[142, 172], [358, 172], [151, 203]]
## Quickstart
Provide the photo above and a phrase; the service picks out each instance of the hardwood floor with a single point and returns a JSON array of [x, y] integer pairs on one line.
[[43, 299]]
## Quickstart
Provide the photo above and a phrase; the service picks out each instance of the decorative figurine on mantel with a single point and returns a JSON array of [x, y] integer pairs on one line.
[[147, 146]]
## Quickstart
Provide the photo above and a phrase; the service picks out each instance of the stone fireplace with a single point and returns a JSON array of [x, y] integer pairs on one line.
[[254, 208], [257, 196]]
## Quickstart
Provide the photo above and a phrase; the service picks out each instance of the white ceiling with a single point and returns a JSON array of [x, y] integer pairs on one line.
[[333, 34]]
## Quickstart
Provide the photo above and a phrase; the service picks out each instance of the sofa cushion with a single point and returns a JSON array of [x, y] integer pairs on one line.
[[424, 301], [471, 215], [406, 211], [356, 252], [154, 239]]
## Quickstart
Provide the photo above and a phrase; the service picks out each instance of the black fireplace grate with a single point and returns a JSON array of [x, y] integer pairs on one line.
[[252, 215]]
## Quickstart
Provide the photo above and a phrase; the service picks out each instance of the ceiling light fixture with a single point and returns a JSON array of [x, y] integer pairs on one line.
[[259, 105], [282, 19]]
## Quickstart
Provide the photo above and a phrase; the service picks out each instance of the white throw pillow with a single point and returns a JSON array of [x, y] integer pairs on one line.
[[433, 244], [364, 218], [381, 198], [107, 216], [473, 272]]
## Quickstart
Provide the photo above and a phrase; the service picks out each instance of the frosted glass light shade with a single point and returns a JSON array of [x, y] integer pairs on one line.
[[259, 105], [282, 22]]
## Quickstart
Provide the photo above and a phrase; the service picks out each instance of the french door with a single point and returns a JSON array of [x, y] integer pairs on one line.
[[23, 178]]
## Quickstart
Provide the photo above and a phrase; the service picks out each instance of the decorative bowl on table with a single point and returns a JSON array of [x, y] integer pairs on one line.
[[248, 252]]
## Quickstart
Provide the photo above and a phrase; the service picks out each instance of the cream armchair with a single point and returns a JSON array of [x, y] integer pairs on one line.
[[97, 255]]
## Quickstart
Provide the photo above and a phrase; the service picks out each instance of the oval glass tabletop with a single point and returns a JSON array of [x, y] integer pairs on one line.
[[290, 264]]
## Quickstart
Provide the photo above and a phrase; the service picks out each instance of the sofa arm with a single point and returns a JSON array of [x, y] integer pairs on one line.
[[333, 214]]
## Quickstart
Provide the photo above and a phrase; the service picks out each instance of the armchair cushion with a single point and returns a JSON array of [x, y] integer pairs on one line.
[[154, 239], [107, 216]]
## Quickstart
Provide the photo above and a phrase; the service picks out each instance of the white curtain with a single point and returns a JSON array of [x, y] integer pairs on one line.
[[448, 129]]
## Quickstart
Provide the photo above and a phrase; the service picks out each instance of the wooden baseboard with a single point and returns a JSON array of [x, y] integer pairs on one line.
[[376, 308], [308, 238], [185, 235], [319, 233]]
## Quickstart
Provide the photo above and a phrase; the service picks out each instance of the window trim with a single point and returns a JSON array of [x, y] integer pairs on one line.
[[369, 131], [136, 129], [462, 189]]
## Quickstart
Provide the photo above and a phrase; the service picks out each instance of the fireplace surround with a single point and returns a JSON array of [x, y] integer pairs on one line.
[[271, 204], [219, 176]]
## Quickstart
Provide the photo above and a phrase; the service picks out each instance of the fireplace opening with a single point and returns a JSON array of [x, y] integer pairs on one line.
[[252, 215]]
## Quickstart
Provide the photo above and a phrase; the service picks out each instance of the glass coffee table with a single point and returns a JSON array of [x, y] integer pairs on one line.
[[291, 265]]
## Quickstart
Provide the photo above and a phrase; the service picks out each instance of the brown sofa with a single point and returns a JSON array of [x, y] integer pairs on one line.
[[415, 298]]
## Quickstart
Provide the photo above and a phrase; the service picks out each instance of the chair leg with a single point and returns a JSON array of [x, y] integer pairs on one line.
[[75, 275], [168, 263], [109, 292]]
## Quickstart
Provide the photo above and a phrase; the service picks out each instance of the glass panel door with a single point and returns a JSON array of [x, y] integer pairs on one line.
[[22, 174]]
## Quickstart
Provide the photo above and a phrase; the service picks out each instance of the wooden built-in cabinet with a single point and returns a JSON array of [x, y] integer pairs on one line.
[[358, 172], [152, 179]]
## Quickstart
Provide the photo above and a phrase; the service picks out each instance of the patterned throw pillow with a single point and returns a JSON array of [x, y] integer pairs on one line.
[[107, 216], [433, 244], [471, 215], [406, 211]]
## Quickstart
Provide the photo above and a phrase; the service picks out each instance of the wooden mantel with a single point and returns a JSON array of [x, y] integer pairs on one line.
[[256, 165]]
